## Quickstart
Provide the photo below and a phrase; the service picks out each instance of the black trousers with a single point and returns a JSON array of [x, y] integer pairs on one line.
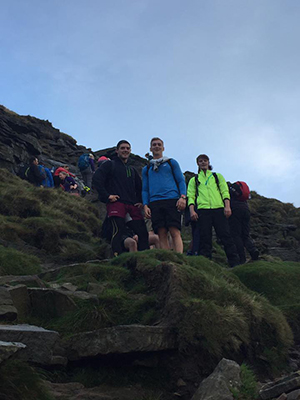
[[117, 227], [209, 218], [239, 223]]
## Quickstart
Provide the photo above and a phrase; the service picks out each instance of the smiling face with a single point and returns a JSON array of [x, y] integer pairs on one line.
[[157, 148], [123, 151], [203, 163]]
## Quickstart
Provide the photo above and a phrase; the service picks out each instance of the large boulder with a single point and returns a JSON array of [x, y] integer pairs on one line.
[[286, 385], [21, 300], [219, 384], [7, 349], [40, 343], [120, 340], [7, 310]]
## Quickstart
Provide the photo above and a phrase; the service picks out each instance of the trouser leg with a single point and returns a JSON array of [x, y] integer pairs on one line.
[[248, 242], [196, 238], [139, 227], [117, 228], [205, 232], [235, 224], [222, 230]]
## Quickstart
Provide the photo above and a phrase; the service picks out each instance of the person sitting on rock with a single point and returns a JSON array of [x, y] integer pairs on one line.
[[67, 183], [64, 168]]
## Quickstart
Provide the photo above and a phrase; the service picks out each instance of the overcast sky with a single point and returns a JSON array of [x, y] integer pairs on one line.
[[219, 77]]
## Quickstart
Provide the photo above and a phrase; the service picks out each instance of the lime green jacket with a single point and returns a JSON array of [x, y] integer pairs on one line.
[[209, 196]]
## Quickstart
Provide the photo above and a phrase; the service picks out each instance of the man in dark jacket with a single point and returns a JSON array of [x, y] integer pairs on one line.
[[239, 223], [120, 187], [34, 175]]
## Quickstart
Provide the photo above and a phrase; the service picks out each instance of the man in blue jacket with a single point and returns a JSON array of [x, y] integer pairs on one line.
[[164, 195]]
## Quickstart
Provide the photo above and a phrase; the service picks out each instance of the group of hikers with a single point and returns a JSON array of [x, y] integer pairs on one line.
[[147, 212], [161, 196]]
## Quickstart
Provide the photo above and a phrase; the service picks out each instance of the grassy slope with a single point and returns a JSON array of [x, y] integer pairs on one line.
[[279, 282], [214, 314]]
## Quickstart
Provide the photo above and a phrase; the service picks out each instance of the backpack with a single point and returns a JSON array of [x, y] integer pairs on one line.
[[23, 171], [83, 162], [48, 181], [239, 191]]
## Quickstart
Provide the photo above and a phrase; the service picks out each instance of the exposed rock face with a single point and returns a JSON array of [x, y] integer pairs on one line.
[[39, 342], [217, 386], [7, 349], [274, 224], [289, 385], [7, 310], [120, 340]]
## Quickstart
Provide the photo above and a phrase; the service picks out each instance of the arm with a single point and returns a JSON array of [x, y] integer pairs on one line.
[[99, 181], [191, 193], [138, 187], [181, 203], [225, 195], [145, 192]]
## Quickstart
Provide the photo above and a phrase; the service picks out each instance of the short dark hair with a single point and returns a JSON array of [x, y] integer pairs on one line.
[[205, 157], [121, 142], [32, 159], [156, 138]]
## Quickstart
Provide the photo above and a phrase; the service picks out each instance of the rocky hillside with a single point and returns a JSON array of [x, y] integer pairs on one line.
[[275, 225]]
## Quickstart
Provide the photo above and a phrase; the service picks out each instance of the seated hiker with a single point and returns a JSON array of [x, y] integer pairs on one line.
[[130, 240], [64, 168], [34, 173], [239, 220], [209, 204], [67, 183]]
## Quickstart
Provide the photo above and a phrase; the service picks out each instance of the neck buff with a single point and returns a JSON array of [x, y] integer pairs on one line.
[[157, 162]]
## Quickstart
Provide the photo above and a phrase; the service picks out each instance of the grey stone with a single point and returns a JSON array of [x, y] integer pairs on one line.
[[7, 349], [96, 288], [8, 313], [120, 340], [294, 395], [50, 302], [7, 310], [69, 286], [20, 298], [39, 341], [218, 385], [29, 280], [84, 296], [284, 385]]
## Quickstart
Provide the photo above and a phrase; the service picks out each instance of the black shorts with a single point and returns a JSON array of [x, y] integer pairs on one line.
[[164, 214]]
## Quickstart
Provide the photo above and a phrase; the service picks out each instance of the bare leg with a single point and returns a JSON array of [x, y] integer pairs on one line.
[[130, 244], [154, 240], [163, 238], [177, 240]]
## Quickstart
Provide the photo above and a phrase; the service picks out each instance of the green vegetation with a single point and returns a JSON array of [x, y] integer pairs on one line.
[[13, 262], [48, 223], [278, 282], [248, 389], [19, 381]]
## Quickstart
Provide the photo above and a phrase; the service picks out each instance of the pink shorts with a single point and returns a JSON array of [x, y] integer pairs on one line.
[[119, 209]]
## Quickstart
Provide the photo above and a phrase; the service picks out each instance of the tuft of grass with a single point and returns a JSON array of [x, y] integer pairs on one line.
[[14, 262], [278, 282], [249, 388], [19, 381]]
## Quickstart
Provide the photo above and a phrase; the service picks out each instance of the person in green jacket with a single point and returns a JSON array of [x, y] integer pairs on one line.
[[209, 205]]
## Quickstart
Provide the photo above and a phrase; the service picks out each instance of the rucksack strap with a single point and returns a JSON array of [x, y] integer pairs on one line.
[[197, 183], [171, 166]]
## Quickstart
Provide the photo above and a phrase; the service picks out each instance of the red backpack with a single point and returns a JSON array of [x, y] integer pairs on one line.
[[240, 190]]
